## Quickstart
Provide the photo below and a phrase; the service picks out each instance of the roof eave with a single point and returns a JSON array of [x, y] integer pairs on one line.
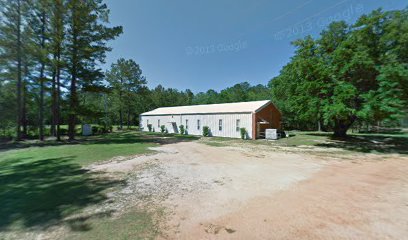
[[169, 114]]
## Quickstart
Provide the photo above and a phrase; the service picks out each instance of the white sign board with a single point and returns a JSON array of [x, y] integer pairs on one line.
[[271, 134]]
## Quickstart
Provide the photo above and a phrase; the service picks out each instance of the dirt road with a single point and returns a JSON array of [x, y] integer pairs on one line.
[[239, 193]]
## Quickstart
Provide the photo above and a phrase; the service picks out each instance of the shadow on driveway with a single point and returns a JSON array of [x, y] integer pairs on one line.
[[369, 143]]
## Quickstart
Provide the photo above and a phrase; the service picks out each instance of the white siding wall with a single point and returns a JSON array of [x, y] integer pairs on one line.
[[210, 120]]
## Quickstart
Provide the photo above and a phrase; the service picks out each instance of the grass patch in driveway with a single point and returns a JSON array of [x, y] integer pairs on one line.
[[135, 224], [215, 144]]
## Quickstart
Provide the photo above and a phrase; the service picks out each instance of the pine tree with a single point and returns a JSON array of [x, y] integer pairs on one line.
[[126, 81], [12, 50], [86, 43], [39, 21], [57, 36]]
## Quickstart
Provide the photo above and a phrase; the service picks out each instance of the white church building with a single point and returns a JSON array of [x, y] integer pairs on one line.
[[223, 120]]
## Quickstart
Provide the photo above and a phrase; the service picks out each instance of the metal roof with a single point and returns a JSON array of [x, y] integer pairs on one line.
[[238, 107]]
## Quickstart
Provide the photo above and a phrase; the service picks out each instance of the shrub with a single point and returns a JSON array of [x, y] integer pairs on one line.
[[95, 130], [47, 131], [206, 131], [64, 131], [167, 131], [182, 130], [162, 128], [243, 132], [149, 126], [32, 131], [103, 129]]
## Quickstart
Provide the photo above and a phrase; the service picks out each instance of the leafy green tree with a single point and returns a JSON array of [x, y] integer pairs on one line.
[[39, 20], [236, 93], [56, 50], [7, 107], [240, 92], [126, 81], [12, 28], [209, 97], [259, 92], [350, 73], [87, 35]]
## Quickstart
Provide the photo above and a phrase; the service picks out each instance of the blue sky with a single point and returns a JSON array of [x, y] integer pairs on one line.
[[215, 44]]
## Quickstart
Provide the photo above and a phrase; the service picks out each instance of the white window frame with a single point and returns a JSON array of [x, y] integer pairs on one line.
[[220, 125], [198, 124], [186, 123], [158, 123], [238, 125]]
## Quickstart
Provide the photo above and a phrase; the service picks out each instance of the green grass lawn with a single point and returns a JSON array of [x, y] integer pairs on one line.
[[83, 153], [356, 142], [43, 183]]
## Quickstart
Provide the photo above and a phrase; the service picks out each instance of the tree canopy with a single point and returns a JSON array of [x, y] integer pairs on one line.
[[350, 73]]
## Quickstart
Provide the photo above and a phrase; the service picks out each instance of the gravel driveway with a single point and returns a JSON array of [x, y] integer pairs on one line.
[[256, 193]]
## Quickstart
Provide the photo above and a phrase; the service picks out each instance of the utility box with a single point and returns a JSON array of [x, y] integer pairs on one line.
[[271, 134], [86, 130]]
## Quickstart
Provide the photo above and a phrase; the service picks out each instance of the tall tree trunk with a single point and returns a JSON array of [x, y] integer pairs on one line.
[[341, 127], [340, 131], [53, 101], [58, 97], [73, 103], [120, 108], [120, 117], [57, 38], [24, 93], [128, 119], [73, 107], [41, 118], [73, 99], [19, 81]]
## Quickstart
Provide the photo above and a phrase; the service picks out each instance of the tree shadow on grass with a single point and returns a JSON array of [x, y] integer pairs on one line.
[[39, 194], [129, 138], [125, 137], [369, 144]]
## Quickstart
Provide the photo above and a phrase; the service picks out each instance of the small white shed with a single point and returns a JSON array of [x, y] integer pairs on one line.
[[224, 120]]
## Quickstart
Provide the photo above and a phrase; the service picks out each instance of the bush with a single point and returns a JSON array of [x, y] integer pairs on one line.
[[95, 130], [103, 129], [162, 128], [64, 131], [167, 131], [47, 131], [32, 131], [182, 130], [149, 126], [243, 132], [206, 131]]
